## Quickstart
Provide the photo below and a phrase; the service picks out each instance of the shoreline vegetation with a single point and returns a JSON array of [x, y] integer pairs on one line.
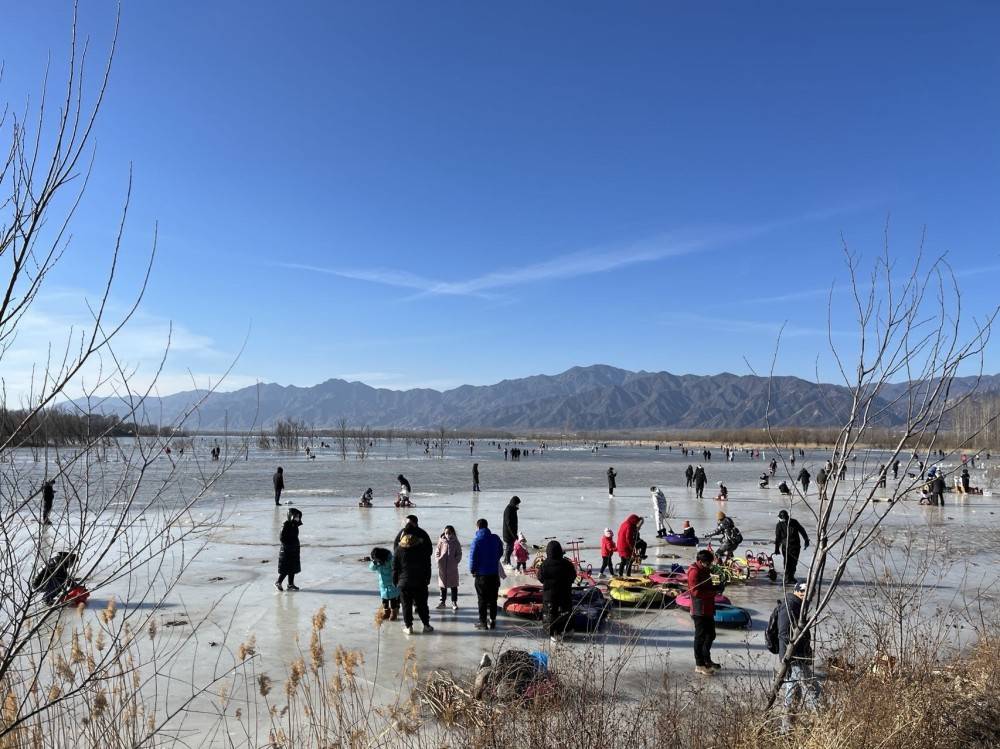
[[54, 427]]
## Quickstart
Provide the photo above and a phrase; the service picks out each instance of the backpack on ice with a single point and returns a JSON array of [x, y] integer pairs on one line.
[[771, 633]]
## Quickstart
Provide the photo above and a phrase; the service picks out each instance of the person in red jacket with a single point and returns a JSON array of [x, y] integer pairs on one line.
[[607, 549], [702, 591], [628, 537]]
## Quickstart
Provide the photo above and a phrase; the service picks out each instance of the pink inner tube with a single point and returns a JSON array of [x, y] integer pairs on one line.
[[668, 578], [518, 590], [684, 600]]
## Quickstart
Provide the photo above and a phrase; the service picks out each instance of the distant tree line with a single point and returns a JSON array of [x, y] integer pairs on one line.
[[55, 427]]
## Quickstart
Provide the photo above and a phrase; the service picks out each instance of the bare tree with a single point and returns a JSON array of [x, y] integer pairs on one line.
[[343, 436], [908, 329], [288, 434], [362, 440], [122, 517]]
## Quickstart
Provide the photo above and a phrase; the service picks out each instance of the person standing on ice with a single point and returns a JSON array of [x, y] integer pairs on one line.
[[659, 500], [510, 527], [803, 478], [612, 483], [700, 479], [484, 564], [289, 563], [411, 573], [475, 477], [278, 479], [689, 476], [702, 592], [786, 542]]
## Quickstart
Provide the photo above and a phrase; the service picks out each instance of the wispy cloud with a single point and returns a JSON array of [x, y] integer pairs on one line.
[[570, 265], [59, 317], [753, 327]]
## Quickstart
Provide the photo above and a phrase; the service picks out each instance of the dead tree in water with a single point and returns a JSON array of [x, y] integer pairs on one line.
[[908, 330], [288, 433], [343, 437]]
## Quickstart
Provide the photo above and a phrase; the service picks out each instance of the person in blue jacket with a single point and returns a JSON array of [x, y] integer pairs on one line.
[[381, 565], [484, 564]]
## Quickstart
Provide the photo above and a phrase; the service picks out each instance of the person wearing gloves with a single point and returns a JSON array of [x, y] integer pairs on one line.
[[731, 536], [786, 542]]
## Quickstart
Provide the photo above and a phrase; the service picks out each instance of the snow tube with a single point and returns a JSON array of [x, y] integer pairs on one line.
[[587, 618], [588, 596], [732, 616], [526, 606], [632, 581], [517, 590], [684, 600], [634, 595], [668, 578], [680, 540], [78, 595]]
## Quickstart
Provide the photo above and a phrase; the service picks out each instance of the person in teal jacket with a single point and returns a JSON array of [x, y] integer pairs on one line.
[[381, 565]]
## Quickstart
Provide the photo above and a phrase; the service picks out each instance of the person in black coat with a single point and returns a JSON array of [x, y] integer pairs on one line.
[[700, 479], [557, 575], [278, 479], [55, 578], [689, 475], [510, 528], [48, 497], [803, 478], [938, 487], [612, 483], [475, 477], [289, 563], [411, 573], [786, 541], [799, 676]]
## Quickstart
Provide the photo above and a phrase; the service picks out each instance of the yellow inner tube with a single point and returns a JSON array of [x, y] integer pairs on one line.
[[632, 581], [635, 595]]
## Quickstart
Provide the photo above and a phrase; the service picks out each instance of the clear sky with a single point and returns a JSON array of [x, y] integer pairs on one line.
[[440, 193]]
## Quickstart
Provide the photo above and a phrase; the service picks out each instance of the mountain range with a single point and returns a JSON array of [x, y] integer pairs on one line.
[[597, 397]]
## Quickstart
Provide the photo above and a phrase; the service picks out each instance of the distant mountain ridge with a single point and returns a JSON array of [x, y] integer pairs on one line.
[[581, 398]]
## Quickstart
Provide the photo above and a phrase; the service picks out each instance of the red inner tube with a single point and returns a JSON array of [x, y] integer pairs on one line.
[[527, 606]]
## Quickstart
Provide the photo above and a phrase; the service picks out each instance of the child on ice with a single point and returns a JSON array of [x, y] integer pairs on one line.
[[607, 549], [381, 565], [521, 553]]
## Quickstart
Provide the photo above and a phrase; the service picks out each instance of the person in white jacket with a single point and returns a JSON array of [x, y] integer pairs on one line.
[[659, 510]]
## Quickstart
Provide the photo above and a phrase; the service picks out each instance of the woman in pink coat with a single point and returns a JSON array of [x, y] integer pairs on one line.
[[448, 555]]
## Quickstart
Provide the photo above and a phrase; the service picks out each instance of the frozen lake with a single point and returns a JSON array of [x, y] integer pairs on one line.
[[564, 494]]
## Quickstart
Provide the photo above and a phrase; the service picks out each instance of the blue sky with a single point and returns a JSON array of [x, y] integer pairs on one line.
[[440, 193]]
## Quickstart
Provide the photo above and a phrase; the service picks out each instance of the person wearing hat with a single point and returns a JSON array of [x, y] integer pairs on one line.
[[607, 549], [289, 564], [612, 483], [731, 536], [702, 592], [786, 542], [799, 677], [659, 510], [723, 492]]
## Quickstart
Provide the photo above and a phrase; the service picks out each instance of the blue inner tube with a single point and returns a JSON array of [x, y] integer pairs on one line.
[[731, 616], [679, 540], [587, 618], [589, 596]]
